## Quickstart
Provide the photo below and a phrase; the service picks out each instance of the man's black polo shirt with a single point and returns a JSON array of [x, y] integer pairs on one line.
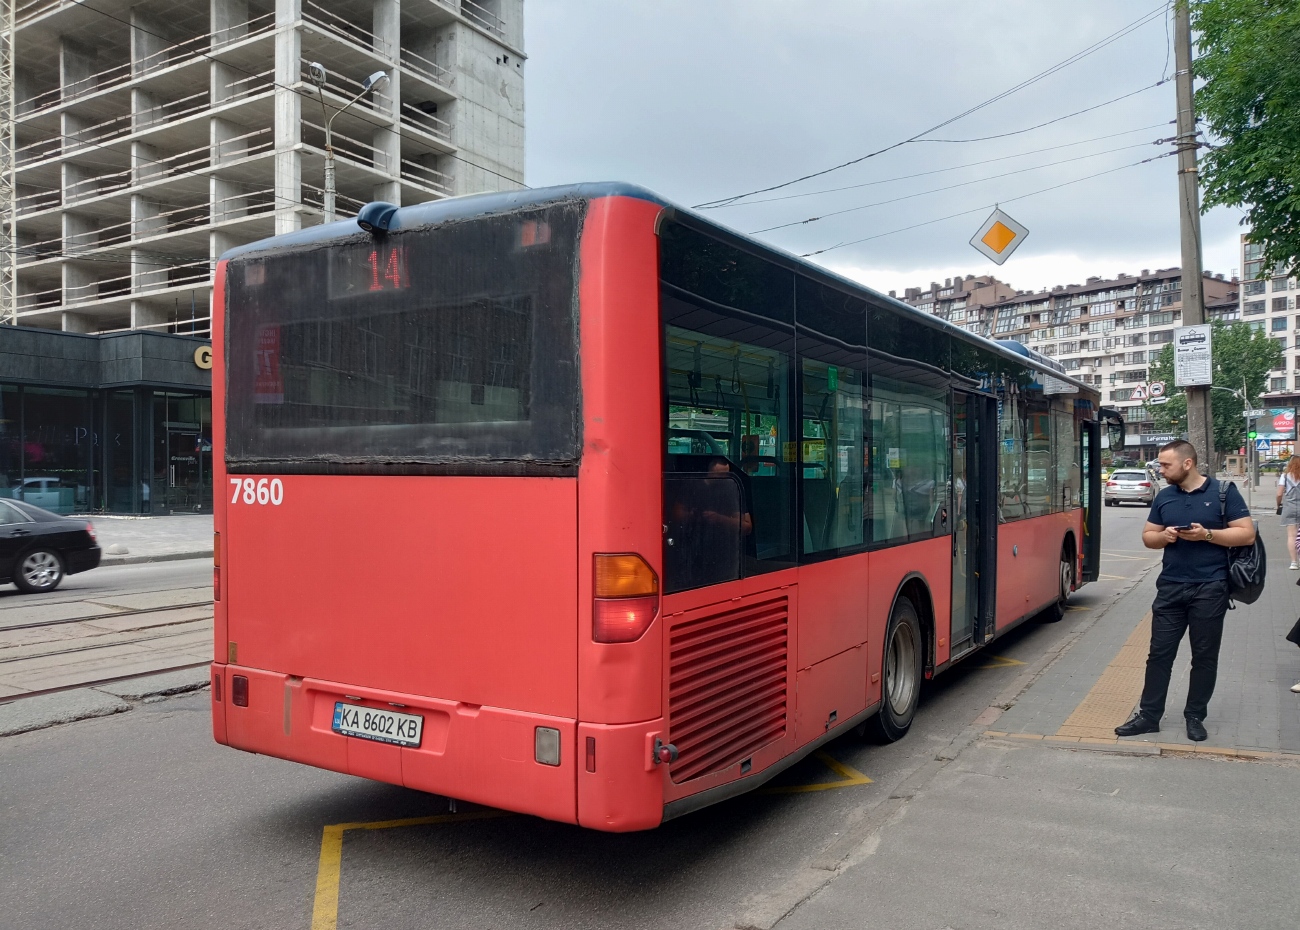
[[1195, 562]]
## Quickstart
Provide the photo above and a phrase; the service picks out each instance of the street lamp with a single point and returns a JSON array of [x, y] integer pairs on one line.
[[316, 71]]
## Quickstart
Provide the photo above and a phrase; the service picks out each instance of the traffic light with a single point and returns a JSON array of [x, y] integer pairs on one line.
[[1252, 435]]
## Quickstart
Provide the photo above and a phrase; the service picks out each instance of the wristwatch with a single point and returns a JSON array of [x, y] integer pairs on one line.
[[1209, 535]]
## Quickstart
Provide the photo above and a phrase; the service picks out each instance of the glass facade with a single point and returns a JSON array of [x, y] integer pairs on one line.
[[119, 451]]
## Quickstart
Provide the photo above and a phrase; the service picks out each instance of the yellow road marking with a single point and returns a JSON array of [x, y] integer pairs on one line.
[[1112, 698], [848, 774], [1001, 662], [325, 910]]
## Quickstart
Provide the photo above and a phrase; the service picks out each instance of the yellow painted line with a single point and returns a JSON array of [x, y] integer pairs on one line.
[[325, 909], [848, 774], [1111, 699], [1001, 662]]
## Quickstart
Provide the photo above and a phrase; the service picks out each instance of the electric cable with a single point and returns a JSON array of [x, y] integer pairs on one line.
[[948, 187], [979, 209], [971, 164], [1064, 63]]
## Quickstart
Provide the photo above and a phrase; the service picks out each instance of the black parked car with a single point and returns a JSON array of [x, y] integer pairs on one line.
[[37, 548]]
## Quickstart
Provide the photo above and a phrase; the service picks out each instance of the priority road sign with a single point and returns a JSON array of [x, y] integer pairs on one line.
[[998, 237], [1263, 445]]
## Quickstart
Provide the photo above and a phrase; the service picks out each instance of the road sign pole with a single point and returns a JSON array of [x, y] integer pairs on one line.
[[1200, 418]]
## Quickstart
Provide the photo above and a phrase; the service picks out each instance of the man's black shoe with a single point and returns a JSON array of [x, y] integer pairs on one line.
[[1196, 730], [1137, 725]]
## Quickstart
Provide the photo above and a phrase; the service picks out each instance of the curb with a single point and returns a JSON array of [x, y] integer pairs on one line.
[[1142, 748], [23, 715], [164, 557]]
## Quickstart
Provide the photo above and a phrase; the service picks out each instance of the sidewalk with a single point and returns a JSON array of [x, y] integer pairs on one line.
[[153, 539], [1043, 818], [1096, 686]]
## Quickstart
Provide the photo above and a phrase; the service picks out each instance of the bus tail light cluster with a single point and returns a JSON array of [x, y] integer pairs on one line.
[[239, 690], [626, 598], [216, 566]]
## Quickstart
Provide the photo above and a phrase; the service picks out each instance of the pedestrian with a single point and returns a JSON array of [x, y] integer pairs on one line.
[[1192, 589], [1288, 504]]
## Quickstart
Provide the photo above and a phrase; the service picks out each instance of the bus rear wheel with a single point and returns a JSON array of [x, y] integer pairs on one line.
[[901, 688]]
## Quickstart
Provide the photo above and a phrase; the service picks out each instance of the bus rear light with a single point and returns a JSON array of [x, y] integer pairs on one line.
[[216, 566], [216, 687], [622, 619], [591, 753], [239, 690], [546, 745], [624, 575]]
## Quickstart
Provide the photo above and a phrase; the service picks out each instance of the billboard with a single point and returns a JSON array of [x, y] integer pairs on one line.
[[1277, 423]]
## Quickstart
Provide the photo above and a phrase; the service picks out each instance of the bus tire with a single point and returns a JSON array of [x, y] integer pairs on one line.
[[900, 689], [1066, 585]]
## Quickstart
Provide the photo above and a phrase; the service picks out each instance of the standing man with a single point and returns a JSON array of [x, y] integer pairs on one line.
[[1192, 590]]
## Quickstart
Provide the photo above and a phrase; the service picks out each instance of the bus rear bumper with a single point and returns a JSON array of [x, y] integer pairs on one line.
[[485, 755]]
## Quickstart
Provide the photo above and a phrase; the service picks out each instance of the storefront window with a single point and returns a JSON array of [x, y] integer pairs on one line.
[[182, 459], [57, 447], [11, 448]]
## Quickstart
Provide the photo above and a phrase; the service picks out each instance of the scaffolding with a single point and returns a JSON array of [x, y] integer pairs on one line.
[[8, 239]]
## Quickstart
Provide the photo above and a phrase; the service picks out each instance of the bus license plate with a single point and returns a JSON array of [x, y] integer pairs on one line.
[[382, 726]]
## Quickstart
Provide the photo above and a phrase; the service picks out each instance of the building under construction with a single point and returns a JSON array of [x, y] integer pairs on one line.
[[143, 139]]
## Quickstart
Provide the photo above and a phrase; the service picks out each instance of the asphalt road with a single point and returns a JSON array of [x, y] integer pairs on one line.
[[112, 580], [140, 820]]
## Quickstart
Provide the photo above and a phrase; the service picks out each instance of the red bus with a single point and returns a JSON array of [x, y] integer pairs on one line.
[[571, 502]]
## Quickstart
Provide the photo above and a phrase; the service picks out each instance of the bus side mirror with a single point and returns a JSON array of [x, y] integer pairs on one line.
[[1114, 422]]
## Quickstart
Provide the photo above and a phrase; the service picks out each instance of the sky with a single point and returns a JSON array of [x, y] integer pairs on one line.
[[702, 100]]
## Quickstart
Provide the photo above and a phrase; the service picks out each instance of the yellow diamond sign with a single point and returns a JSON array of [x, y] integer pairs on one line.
[[999, 236]]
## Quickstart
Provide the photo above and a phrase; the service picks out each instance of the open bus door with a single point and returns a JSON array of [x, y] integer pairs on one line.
[[1113, 423]]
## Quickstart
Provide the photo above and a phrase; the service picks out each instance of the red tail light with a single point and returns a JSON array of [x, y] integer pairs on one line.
[[627, 598], [1112, 484], [216, 687], [216, 566], [239, 690], [1144, 484], [90, 528], [623, 619], [591, 753]]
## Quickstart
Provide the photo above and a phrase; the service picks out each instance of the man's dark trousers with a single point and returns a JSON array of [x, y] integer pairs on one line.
[[1181, 607]]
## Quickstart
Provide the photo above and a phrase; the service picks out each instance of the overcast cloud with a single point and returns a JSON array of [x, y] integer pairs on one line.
[[703, 99]]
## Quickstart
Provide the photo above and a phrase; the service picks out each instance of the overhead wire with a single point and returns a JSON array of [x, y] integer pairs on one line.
[[983, 207], [972, 164], [948, 187], [1060, 65]]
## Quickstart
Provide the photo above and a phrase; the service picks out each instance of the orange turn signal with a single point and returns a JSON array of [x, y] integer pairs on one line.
[[624, 575]]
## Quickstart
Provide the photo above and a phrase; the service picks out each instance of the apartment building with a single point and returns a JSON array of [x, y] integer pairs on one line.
[[1105, 332], [149, 137], [1269, 301]]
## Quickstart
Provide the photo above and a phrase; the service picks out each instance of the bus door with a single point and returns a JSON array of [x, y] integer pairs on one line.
[[1090, 492], [974, 542]]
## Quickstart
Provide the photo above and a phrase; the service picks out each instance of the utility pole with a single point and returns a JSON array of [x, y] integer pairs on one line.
[[1200, 419]]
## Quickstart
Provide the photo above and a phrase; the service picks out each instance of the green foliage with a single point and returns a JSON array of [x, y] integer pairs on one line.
[[1247, 57], [1240, 355]]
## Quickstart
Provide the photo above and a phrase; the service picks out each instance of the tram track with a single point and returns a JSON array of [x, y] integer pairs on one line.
[[107, 615], [10, 698]]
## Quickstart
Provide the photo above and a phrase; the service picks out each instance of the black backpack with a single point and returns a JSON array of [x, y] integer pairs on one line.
[[1246, 564]]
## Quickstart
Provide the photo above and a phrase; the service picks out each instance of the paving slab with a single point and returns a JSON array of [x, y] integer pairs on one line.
[[1022, 836]]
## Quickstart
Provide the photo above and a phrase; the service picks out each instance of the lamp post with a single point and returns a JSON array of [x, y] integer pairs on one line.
[[319, 76], [1252, 457]]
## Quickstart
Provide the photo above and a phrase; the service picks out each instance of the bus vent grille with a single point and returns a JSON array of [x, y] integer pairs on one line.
[[727, 686]]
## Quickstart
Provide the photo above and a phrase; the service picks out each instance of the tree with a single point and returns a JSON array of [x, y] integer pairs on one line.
[[1240, 355], [1250, 102]]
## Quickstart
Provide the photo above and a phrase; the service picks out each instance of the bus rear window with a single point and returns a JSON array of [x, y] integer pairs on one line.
[[450, 348]]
